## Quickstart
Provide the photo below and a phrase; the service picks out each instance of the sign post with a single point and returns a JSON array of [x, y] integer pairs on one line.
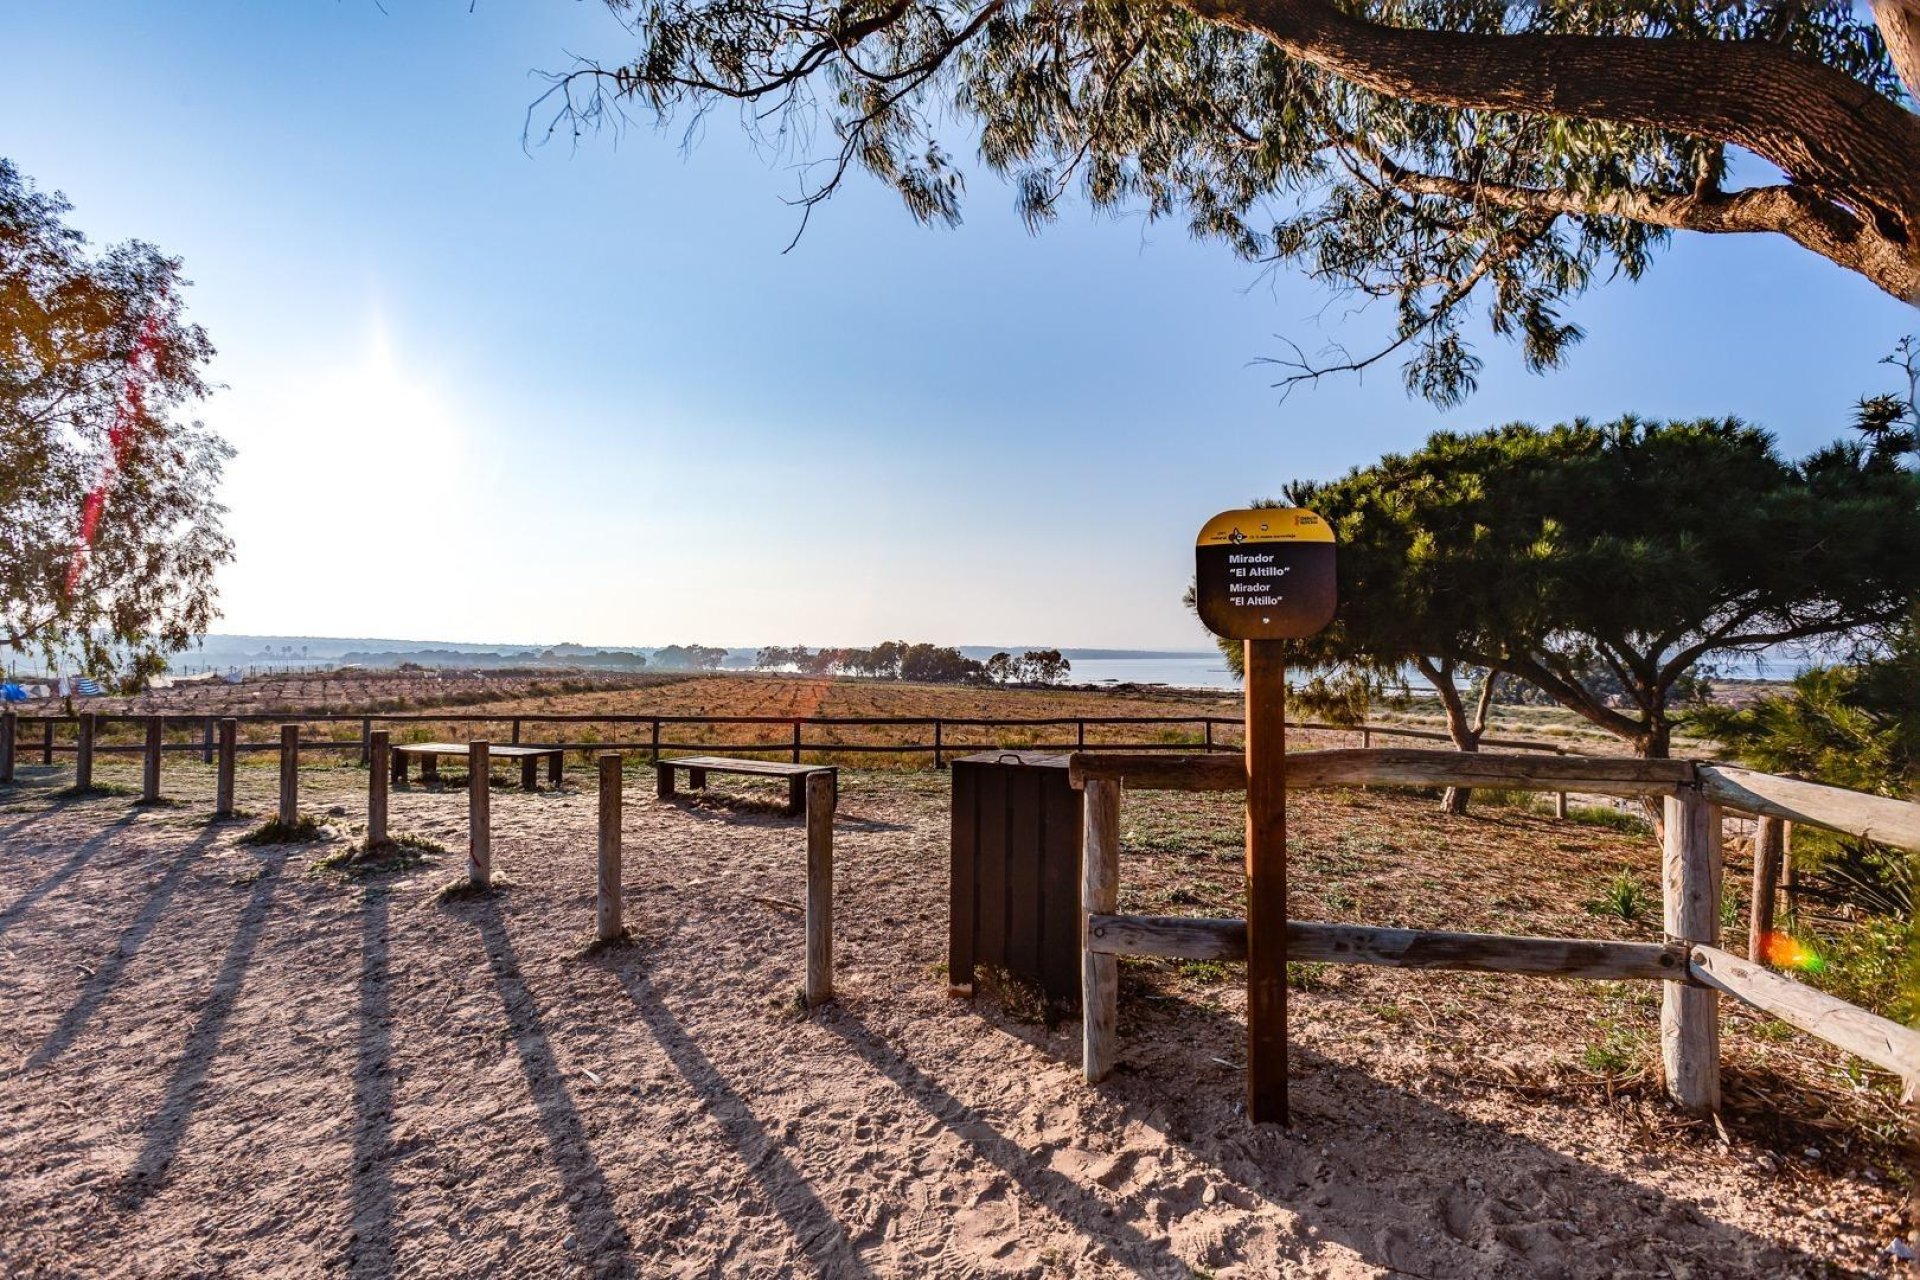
[[1263, 577]]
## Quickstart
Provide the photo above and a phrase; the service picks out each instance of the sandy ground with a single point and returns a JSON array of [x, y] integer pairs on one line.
[[218, 1062]]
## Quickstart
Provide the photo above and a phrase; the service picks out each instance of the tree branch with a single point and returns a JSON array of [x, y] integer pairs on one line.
[[1836, 138]]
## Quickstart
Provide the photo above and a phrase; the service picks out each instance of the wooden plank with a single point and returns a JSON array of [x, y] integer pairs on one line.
[[289, 810], [1894, 822], [223, 768], [1194, 938], [1769, 846], [1604, 775], [990, 870], [479, 816], [379, 766], [761, 768], [1062, 824], [1024, 853], [1099, 895], [83, 754], [1878, 1040], [1160, 773], [961, 886], [150, 762], [1266, 860], [502, 752], [820, 806], [608, 907], [1690, 898]]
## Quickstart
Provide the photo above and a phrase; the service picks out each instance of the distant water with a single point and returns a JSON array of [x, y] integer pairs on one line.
[[1205, 672], [1210, 672]]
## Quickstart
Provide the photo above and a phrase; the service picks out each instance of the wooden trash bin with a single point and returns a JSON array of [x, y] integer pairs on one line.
[[1014, 897]]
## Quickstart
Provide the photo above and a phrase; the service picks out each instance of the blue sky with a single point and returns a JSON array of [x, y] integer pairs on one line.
[[486, 392]]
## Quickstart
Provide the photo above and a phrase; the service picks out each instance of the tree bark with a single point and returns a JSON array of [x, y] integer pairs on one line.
[[1464, 732], [1853, 156]]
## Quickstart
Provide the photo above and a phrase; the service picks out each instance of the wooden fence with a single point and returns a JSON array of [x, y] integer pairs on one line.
[[1694, 970], [924, 735]]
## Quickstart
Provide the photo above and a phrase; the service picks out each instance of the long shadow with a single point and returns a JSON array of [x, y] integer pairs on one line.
[[371, 1252], [602, 1243], [1044, 1185], [168, 1127], [1368, 1121], [75, 860], [813, 1226], [107, 976]]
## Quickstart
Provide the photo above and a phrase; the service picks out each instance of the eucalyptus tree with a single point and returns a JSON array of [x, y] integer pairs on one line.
[[110, 532], [1440, 155]]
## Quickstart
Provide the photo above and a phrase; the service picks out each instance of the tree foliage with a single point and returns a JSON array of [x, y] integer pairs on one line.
[[109, 530], [1440, 156], [1605, 563]]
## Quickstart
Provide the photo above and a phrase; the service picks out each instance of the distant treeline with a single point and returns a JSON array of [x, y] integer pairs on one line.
[[921, 663], [675, 657]]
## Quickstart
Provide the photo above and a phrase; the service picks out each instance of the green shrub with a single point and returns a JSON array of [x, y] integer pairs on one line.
[[1623, 897]]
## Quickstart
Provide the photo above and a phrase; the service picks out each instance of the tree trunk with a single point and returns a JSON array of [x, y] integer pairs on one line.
[[1460, 727]]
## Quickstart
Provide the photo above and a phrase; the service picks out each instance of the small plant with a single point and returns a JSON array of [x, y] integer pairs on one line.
[[1618, 1052], [1605, 815], [1624, 897], [1203, 971], [357, 862], [1305, 975], [303, 830]]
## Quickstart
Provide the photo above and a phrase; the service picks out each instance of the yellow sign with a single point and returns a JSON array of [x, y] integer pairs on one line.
[[1264, 574], [1264, 524]]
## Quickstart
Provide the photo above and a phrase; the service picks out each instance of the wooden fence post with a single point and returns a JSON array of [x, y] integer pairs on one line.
[[379, 779], [289, 774], [83, 754], [206, 741], [938, 761], [1266, 764], [1560, 804], [1789, 874], [820, 805], [150, 773], [608, 925], [1099, 895], [366, 740], [46, 743], [796, 742], [9, 726], [223, 774], [1079, 735], [656, 740], [479, 821], [1769, 846], [516, 731], [1366, 737], [1690, 895]]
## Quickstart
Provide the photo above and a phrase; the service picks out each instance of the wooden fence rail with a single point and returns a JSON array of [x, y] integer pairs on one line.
[[1693, 971]]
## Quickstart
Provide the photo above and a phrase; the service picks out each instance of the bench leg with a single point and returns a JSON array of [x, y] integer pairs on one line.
[[529, 774], [429, 768], [554, 762], [696, 779], [663, 781], [796, 794], [399, 768]]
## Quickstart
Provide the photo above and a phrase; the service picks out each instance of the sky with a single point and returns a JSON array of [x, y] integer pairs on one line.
[[487, 389]]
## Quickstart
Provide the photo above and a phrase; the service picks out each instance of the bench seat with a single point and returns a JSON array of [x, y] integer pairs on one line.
[[698, 767]]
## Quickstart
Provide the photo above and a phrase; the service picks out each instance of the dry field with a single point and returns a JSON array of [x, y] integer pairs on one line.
[[231, 1059]]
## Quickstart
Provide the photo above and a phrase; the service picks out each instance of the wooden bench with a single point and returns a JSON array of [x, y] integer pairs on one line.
[[698, 767], [430, 753]]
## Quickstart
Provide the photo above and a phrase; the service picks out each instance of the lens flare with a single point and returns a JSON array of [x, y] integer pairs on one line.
[[1785, 951], [142, 362]]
